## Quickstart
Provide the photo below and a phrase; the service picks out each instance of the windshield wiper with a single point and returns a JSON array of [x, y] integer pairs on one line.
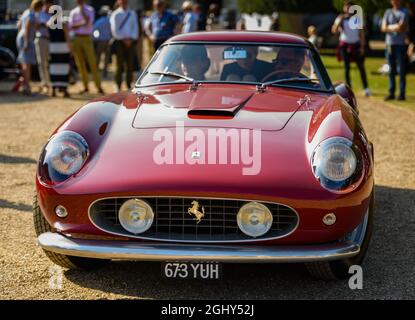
[[174, 75], [264, 85]]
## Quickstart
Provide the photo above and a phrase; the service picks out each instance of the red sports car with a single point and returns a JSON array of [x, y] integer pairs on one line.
[[233, 147]]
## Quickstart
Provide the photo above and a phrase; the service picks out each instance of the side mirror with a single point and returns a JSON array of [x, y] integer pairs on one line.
[[347, 94]]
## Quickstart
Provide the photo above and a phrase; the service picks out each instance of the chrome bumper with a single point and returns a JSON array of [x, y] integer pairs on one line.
[[103, 249]]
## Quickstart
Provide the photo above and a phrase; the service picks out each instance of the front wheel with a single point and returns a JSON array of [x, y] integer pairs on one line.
[[339, 269], [69, 262]]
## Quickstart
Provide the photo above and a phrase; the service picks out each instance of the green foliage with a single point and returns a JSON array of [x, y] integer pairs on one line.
[[308, 6], [369, 6], [269, 6], [256, 6]]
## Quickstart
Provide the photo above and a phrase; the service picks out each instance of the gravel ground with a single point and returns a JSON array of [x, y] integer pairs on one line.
[[389, 269]]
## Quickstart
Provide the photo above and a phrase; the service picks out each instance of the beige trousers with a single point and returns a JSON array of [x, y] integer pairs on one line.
[[42, 56]]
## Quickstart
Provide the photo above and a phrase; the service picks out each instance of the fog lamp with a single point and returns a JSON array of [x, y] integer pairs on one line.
[[136, 216], [254, 219]]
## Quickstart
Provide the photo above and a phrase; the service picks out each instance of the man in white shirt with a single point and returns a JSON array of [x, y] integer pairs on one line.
[[124, 28]]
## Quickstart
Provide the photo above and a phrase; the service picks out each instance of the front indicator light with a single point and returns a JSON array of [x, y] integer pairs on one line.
[[61, 211], [329, 219]]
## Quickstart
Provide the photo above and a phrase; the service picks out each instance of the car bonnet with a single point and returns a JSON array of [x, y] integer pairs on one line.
[[219, 105]]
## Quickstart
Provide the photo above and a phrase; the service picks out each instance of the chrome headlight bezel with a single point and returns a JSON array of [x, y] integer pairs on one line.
[[351, 180], [66, 148]]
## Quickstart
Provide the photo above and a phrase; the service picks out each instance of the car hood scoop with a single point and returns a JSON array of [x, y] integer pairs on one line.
[[214, 105]]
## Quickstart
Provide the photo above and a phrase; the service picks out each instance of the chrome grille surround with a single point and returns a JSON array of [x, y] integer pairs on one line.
[[172, 222]]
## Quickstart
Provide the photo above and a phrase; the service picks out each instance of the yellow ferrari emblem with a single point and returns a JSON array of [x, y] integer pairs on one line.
[[194, 210]]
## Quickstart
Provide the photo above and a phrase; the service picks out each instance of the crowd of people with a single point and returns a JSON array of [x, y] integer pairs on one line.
[[400, 40], [119, 31], [88, 40]]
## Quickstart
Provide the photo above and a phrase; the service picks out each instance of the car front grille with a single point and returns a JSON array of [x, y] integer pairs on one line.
[[172, 222]]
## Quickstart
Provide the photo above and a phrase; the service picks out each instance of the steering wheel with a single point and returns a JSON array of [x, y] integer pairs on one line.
[[277, 75]]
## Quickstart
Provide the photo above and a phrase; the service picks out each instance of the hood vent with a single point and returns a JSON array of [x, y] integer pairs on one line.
[[207, 114], [215, 113]]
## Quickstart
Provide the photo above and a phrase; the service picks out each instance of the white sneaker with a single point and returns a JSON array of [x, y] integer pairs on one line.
[[368, 93]]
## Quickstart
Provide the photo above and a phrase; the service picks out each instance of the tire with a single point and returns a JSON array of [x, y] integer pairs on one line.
[[339, 269], [69, 262]]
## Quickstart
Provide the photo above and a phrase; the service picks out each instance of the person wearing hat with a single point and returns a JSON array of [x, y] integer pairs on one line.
[[102, 36], [162, 24], [190, 19]]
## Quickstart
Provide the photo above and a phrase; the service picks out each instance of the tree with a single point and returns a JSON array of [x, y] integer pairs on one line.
[[369, 6], [267, 7], [308, 6]]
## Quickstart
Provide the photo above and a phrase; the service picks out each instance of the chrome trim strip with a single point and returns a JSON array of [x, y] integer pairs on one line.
[[126, 250], [253, 240]]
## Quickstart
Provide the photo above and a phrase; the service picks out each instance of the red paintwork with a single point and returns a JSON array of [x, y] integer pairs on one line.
[[240, 36], [257, 111], [346, 92], [120, 136]]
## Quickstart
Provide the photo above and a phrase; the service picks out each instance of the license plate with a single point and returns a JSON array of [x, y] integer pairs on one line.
[[192, 270]]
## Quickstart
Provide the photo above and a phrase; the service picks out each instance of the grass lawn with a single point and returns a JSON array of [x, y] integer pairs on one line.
[[377, 83]]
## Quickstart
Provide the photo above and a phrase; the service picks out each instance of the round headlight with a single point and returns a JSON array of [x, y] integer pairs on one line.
[[254, 219], [136, 216], [63, 156], [336, 163], [67, 153]]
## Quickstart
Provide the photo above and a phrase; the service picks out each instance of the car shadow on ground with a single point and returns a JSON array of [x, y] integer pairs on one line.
[[5, 204], [7, 98], [388, 268], [4, 158]]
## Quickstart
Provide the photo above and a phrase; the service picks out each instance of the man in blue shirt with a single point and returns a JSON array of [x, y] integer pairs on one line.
[[395, 25], [102, 36], [162, 23]]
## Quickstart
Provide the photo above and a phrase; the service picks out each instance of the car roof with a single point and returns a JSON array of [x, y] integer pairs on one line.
[[240, 36]]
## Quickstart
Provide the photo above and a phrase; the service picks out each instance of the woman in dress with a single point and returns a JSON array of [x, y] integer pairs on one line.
[[25, 43]]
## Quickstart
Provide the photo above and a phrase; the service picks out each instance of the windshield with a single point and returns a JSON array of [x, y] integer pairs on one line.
[[274, 65]]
